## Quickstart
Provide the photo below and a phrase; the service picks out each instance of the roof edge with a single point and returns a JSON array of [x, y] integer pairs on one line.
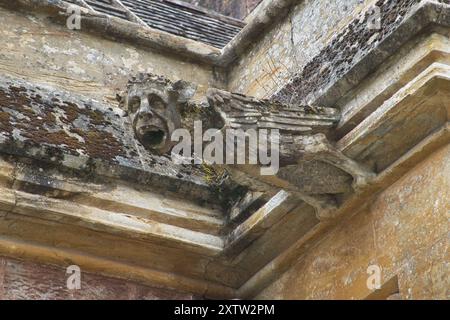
[[210, 13], [116, 28]]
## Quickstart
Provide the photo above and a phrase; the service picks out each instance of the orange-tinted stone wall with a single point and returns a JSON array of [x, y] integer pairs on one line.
[[404, 230], [21, 280]]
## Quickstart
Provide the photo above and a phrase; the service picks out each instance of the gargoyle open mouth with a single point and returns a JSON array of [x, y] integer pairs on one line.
[[152, 136]]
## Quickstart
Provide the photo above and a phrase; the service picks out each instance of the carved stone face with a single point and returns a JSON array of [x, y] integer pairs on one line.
[[153, 107]]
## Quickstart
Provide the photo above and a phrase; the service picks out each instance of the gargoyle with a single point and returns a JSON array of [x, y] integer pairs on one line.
[[152, 103], [310, 166], [302, 129], [303, 145]]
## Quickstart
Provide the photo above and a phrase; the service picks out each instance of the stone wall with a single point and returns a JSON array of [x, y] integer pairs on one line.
[[48, 53], [21, 280], [291, 44], [404, 231]]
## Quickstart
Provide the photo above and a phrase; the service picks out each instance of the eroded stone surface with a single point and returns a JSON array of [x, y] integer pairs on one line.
[[21, 280]]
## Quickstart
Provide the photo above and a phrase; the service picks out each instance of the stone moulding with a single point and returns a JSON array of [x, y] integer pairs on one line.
[[411, 60], [84, 135]]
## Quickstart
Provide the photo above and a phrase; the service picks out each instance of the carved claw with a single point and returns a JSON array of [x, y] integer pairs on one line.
[[319, 148], [360, 181], [324, 205]]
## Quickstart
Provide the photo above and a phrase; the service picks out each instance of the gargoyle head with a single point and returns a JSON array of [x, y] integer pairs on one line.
[[152, 104]]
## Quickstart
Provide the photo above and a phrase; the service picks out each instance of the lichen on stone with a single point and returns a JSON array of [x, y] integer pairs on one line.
[[53, 121]]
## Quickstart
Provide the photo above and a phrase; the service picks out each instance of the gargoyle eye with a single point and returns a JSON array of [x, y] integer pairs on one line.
[[156, 102], [134, 104]]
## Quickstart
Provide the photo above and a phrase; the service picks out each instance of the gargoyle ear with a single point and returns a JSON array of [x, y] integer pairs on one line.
[[183, 91]]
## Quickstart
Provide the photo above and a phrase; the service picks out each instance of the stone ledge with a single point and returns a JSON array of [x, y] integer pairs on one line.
[[90, 138]]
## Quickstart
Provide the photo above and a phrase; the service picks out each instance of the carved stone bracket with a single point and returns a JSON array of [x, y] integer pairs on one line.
[[153, 106], [303, 138], [318, 147]]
